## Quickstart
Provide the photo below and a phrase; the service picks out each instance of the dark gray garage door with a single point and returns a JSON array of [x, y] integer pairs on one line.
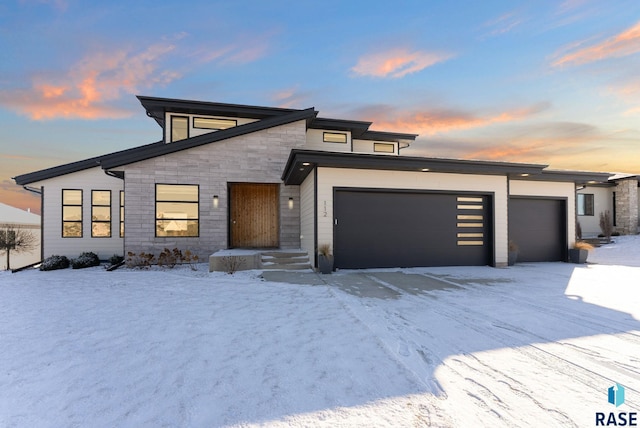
[[406, 229], [538, 228]]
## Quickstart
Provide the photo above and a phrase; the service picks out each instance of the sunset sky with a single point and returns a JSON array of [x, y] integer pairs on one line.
[[551, 82]]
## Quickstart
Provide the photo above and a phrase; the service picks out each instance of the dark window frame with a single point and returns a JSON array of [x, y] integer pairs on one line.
[[121, 213], [324, 137], [197, 220], [173, 118], [81, 221], [585, 204], [193, 121], [93, 205], [393, 147]]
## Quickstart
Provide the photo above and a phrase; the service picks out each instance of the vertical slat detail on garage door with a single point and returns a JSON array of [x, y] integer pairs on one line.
[[470, 220]]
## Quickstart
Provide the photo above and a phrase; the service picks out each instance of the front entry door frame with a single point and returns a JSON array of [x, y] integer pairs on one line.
[[254, 215]]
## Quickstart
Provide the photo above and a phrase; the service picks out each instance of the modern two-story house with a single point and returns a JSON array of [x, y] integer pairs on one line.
[[237, 176]]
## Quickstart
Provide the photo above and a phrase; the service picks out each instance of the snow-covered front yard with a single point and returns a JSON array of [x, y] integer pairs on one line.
[[531, 345]]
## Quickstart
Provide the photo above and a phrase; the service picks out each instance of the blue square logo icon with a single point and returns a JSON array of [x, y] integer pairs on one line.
[[616, 394]]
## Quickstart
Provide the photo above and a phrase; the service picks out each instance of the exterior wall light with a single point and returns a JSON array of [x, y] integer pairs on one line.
[[215, 201], [290, 203]]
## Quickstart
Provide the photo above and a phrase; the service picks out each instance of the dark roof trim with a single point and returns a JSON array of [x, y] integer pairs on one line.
[[156, 108], [577, 177], [57, 170], [295, 171], [68, 168], [359, 130], [151, 151], [356, 127], [387, 136]]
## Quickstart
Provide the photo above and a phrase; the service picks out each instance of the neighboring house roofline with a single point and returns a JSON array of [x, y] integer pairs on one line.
[[301, 162], [147, 152], [615, 177]]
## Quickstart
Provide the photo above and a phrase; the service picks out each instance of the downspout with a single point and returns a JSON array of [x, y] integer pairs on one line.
[[41, 193]]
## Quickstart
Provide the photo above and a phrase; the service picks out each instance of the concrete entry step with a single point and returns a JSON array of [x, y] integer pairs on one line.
[[244, 259], [285, 254], [285, 260]]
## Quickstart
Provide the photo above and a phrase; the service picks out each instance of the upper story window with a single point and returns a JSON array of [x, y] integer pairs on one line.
[[585, 203], [179, 128], [334, 137], [101, 213], [384, 148], [212, 123], [177, 210], [71, 213]]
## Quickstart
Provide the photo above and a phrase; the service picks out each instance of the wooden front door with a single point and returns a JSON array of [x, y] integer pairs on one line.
[[253, 215]]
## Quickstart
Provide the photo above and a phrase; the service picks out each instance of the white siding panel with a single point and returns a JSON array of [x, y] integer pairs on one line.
[[307, 230], [328, 178], [87, 180], [314, 141], [550, 189], [367, 146]]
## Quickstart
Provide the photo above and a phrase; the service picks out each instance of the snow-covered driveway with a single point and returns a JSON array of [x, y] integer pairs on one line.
[[532, 345]]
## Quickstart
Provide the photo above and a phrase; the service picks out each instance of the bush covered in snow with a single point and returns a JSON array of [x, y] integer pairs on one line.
[[115, 259], [55, 262], [85, 260]]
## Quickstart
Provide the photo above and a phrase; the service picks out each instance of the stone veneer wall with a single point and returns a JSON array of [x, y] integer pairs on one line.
[[259, 157], [627, 206]]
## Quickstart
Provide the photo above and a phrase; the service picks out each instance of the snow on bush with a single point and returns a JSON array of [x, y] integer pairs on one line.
[[85, 260], [55, 262]]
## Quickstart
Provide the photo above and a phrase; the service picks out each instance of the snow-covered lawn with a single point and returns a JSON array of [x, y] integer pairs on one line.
[[531, 345]]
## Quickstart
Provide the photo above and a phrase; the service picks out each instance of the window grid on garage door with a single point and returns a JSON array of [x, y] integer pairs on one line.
[[470, 215]]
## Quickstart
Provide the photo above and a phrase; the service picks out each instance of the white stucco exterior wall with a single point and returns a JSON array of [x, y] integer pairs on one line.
[[307, 204], [328, 178], [602, 201]]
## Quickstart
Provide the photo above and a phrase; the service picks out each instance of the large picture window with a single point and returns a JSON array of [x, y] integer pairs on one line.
[[101, 213], [585, 203], [71, 213], [177, 210]]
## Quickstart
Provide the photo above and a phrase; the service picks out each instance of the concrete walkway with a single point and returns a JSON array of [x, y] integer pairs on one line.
[[381, 285]]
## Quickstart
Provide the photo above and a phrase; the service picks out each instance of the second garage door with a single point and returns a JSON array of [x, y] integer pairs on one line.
[[538, 227], [380, 228]]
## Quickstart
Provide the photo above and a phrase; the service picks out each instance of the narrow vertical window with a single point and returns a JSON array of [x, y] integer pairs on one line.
[[122, 213], [177, 210], [71, 213], [179, 128], [101, 213]]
